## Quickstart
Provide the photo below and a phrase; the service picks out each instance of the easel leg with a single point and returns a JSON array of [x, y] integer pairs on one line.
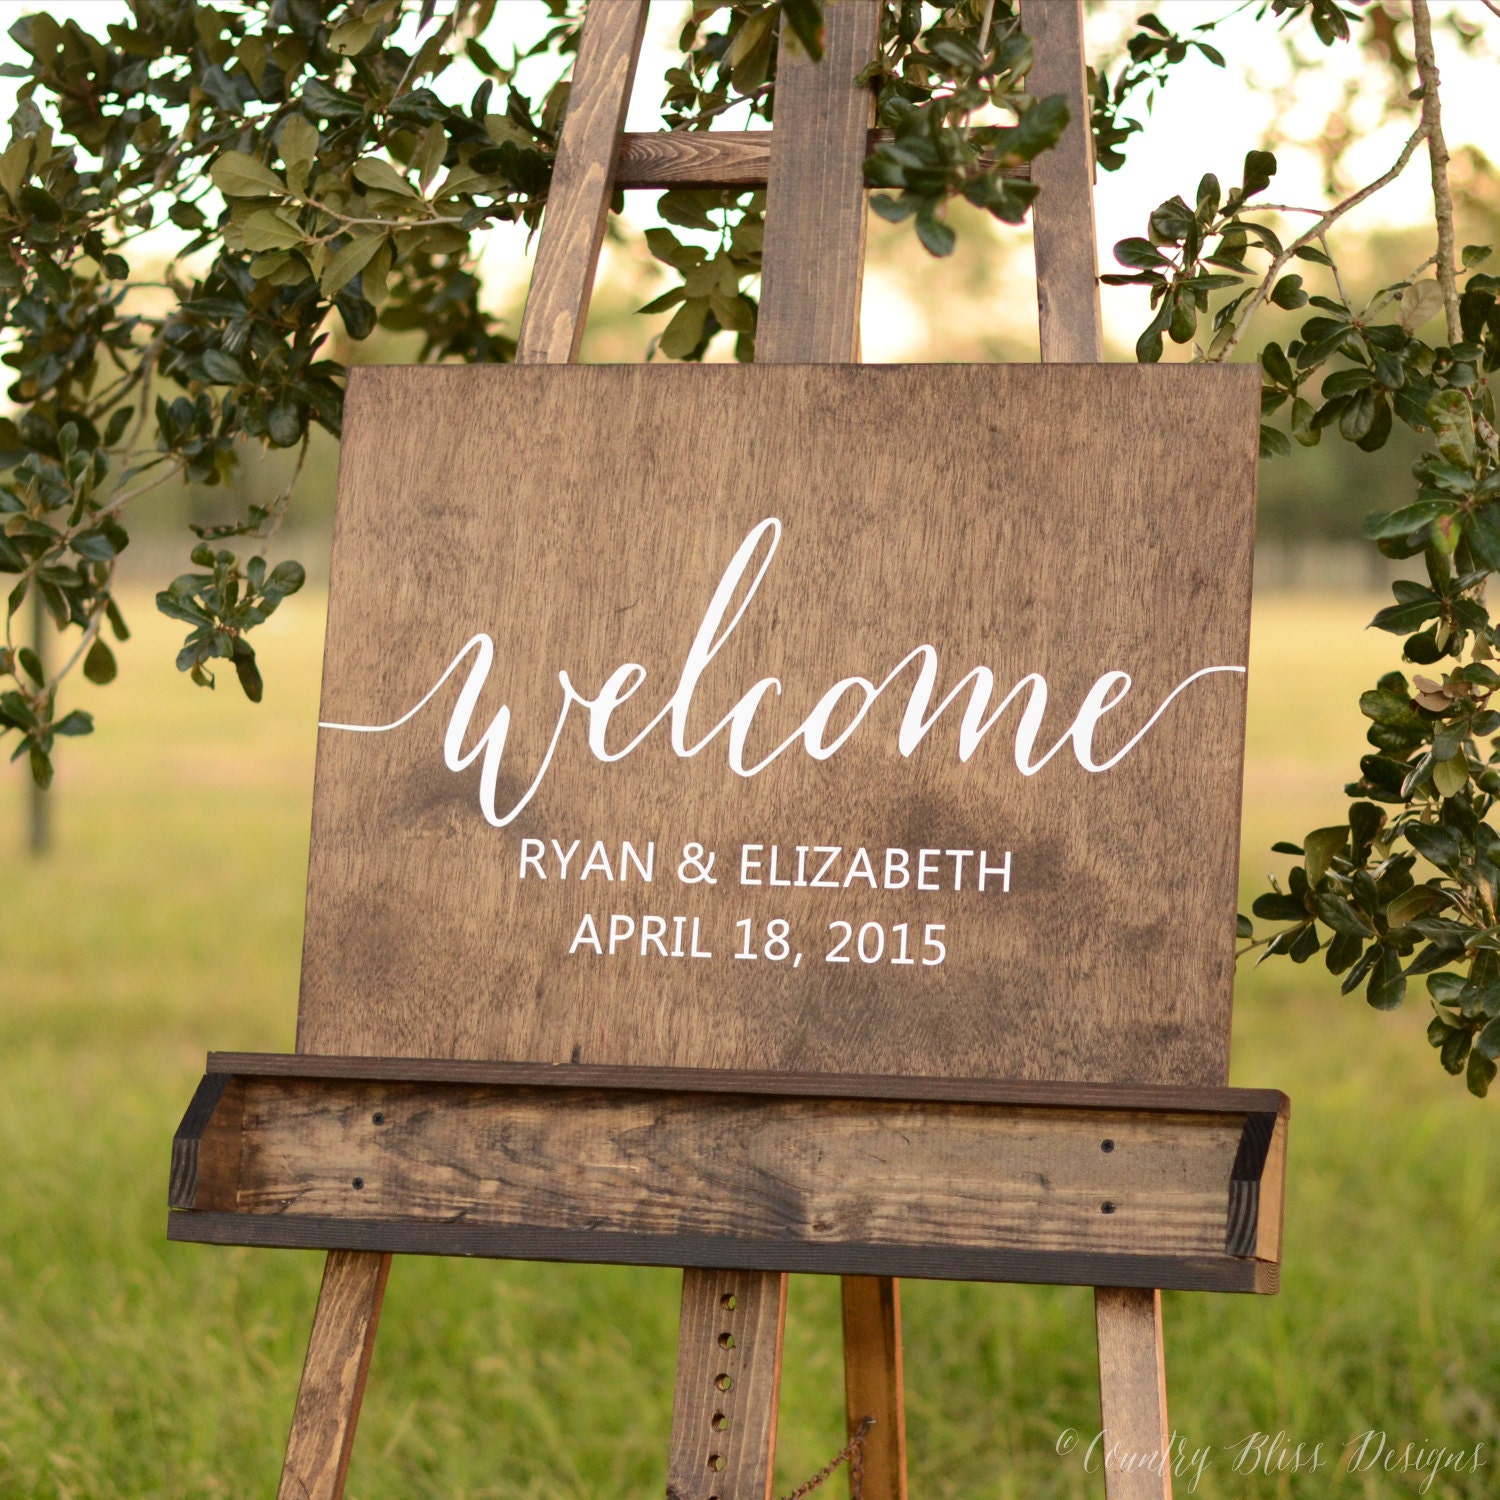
[[728, 1385], [1133, 1394], [333, 1376], [872, 1380]]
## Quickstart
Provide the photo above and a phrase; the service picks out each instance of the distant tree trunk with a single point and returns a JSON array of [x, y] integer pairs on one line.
[[40, 831]]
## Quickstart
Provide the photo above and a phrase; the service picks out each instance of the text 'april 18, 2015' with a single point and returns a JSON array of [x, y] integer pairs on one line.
[[841, 936]]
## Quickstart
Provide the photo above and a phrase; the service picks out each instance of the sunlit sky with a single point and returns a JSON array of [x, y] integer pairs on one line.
[[1205, 120]]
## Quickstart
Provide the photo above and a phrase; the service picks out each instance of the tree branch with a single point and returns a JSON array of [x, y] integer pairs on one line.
[[1437, 155], [1317, 232]]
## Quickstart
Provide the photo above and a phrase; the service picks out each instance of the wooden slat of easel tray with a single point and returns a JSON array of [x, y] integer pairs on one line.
[[1077, 1184]]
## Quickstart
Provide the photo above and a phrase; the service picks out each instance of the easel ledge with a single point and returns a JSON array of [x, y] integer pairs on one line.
[[974, 1179]]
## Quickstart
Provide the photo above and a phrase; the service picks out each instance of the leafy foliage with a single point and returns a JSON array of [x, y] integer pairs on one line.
[[310, 165], [1409, 885], [302, 147]]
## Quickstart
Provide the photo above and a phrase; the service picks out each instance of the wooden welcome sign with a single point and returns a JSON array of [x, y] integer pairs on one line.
[[773, 819], [789, 718]]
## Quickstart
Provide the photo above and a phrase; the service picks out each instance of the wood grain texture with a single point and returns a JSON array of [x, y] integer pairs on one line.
[[813, 261], [206, 1147], [1133, 1394], [1063, 216], [1108, 1096], [500, 499], [333, 1376], [812, 269], [838, 1177], [1210, 1273], [713, 159], [694, 159], [874, 1384], [728, 1385], [562, 280]]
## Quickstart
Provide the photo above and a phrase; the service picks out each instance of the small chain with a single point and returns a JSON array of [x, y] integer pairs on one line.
[[854, 1452]]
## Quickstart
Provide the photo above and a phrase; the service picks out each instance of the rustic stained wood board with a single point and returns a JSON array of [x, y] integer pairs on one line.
[[1059, 523]]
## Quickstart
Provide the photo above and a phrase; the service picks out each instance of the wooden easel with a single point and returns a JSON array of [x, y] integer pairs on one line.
[[733, 1305]]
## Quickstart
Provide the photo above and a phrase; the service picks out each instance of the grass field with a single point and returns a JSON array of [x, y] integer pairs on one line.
[[168, 922]]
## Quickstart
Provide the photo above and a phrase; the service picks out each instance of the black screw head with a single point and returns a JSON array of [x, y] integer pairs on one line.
[[1106, 1208], [378, 1118], [359, 1182], [1106, 1146]]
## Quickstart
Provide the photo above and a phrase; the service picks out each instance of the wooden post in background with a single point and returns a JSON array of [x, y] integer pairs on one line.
[[1132, 1367], [873, 1380], [811, 276], [343, 1334], [1062, 219], [562, 280]]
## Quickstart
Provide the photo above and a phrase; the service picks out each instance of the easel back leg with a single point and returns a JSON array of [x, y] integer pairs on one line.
[[333, 1376], [873, 1381], [1133, 1394]]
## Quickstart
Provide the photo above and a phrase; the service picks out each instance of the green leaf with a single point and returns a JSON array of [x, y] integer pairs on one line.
[[350, 38], [1387, 988], [1260, 168], [286, 578], [1140, 254], [1148, 347], [1302, 424], [1488, 1040], [248, 673], [1273, 443], [1409, 905], [1321, 845], [1402, 522], [1272, 906], [1288, 293], [1481, 1074], [223, 369], [383, 177], [237, 175], [298, 141], [684, 333], [689, 209], [1346, 382], [1274, 362], [1452, 422], [1421, 301], [667, 300], [1475, 255], [74, 724], [265, 229], [935, 235], [99, 665], [41, 767], [1451, 776], [1437, 843], [805, 18], [285, 423], [348, 261], [1338, 914]]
